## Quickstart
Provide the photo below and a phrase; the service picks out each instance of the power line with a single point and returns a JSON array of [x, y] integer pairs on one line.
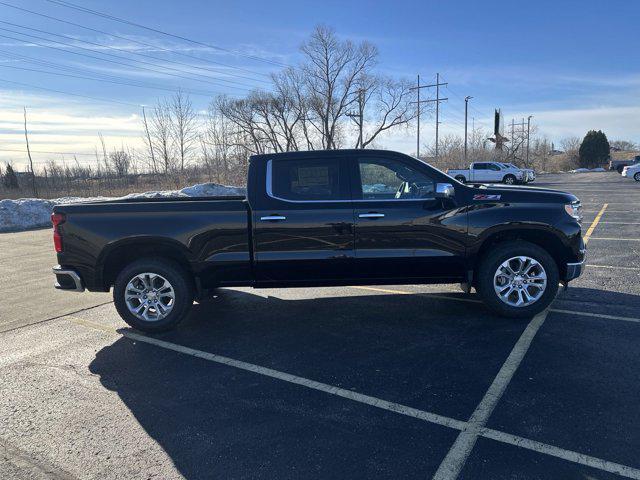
[[96, 76], [103, 59], [72, 94], [110, 47], [203, 94], [46, 152], [139, 42], [151, 29]]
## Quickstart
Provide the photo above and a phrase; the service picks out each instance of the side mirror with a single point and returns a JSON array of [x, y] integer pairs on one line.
[[444, 190]]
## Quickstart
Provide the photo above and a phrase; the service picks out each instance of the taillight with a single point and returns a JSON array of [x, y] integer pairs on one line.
[[57, 219]]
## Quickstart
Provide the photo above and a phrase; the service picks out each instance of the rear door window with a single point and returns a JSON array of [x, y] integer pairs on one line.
[[308, 180]]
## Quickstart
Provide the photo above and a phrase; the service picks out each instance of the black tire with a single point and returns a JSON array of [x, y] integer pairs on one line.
[[495, 257], [619, 169], [461, 179], [179, 279], [509, 179], [636, 177]]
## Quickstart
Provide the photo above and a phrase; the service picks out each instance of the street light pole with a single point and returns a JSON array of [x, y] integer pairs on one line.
[[528, 131], [466, 105]]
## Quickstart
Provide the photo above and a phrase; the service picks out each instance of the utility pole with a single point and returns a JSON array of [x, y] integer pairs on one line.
[[33, 172], [418, 103], [466, 105], [528, 132], [512, 133], [360, 118], [437, 101]]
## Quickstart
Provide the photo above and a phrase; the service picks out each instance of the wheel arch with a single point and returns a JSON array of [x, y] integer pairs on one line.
[[115, 257], [542, 237]]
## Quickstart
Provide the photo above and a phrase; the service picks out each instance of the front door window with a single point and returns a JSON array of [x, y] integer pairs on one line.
[[388, 179]]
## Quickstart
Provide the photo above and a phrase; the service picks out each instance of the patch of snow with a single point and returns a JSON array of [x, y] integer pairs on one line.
[[28, 213], [587, 170]]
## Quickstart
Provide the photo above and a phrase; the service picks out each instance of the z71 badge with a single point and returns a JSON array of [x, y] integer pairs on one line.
[[486, 197]]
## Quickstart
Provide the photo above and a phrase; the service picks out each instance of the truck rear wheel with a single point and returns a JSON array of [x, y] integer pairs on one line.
[[153, 295], [518, 279]]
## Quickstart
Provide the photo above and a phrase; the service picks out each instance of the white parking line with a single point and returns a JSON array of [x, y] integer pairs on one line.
[[471, 300], [612, 267], [597, 315], [622, 223], [400, 409], [452, 464], [616, 239], [568, 455]]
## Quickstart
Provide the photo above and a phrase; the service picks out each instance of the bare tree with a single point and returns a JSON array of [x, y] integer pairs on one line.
[[390, 102], [120, 161], [183, 127], [161, 134], [149, 142], [331, 71], [623, 145], [570, 144]]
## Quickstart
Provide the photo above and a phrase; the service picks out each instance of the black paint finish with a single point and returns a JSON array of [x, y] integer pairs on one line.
[[227, 241]]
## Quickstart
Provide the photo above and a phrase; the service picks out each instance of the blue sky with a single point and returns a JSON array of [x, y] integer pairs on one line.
[[573, 65]]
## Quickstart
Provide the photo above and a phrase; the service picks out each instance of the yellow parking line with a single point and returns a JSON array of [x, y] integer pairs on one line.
[[594, 224], [94, 325], [374, 289], [422, 294]]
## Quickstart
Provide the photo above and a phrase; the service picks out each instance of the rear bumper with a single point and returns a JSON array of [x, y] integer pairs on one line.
[[67, 279]]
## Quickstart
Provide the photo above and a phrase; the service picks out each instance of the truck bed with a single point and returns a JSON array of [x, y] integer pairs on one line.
[[210, 232]]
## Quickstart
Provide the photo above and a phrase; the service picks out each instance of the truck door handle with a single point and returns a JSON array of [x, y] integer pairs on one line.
[[371, 215], [273, 218]]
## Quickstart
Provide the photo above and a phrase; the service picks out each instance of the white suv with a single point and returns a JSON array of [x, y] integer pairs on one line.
[[632, 171]]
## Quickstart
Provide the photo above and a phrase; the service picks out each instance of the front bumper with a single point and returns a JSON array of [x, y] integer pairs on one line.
[[67, 279], [574, 270]]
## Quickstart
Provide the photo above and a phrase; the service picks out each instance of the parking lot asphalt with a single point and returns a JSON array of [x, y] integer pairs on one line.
[[350, 382]]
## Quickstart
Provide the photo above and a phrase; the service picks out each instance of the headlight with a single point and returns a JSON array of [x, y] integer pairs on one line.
[[574, 209]]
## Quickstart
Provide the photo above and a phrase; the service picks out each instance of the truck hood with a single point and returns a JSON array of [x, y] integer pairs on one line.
[[524, 194]]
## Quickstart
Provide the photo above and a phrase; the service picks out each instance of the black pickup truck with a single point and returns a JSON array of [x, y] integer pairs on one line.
[[322, 218]]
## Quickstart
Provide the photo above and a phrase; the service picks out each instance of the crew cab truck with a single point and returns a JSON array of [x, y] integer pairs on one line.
[[489, 172], [322, 218]]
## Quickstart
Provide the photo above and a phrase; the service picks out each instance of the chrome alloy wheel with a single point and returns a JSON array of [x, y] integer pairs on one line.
[[520, 281], [149, 296]]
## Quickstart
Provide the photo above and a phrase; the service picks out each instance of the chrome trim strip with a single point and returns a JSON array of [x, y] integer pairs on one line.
[[371, 215], [270, 218], [74, 276], [576, 263], [269, 189]]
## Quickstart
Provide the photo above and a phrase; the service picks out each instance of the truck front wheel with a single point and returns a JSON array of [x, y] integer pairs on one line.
[[153, 295], [461, 179], [509, 179], [518, 279]]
